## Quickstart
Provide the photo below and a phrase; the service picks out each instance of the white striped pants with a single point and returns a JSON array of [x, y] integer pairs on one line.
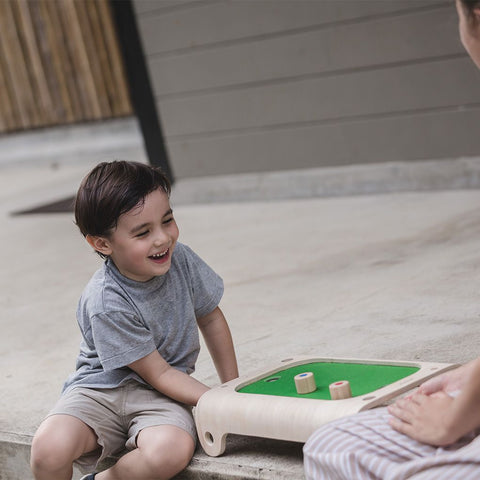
[[365, 447]]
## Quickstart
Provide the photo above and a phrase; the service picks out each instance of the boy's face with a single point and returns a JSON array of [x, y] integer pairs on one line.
[[142, 244]]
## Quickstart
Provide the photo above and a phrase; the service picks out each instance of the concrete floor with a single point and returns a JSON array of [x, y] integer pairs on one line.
[[392, 276]]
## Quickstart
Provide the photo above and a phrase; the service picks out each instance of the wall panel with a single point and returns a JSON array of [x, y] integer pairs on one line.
[[258, 85], [208, 23], [401, 138], [372, 43], [328, 99]]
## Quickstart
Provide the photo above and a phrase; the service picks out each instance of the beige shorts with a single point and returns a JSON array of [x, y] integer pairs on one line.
[[118, 415]]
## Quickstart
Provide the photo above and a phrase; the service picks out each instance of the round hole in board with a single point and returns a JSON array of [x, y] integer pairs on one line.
[[286, 360], [370, 397], [209, 438], [272, 379]]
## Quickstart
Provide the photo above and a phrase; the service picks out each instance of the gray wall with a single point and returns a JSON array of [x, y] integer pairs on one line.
[[261, 85]]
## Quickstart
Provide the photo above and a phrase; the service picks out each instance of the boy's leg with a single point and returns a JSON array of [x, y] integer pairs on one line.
[[59, 441], [162, 452]]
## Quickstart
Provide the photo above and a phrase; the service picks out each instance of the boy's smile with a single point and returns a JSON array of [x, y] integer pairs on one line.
[[159, 257], [142, 244]]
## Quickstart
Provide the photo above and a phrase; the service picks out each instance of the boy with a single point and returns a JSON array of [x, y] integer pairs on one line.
[[138, 317]]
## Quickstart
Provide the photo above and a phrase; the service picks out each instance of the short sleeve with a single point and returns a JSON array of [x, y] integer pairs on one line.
[[207, 286], [120, 338]]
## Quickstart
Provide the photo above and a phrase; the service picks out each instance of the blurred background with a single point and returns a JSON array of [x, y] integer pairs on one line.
[[220, 87]]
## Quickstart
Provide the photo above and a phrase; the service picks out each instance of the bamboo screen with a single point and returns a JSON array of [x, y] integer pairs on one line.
[[59, 63]]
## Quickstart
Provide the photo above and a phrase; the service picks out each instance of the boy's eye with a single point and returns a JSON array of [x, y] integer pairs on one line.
[[168, 220], [142, 234]]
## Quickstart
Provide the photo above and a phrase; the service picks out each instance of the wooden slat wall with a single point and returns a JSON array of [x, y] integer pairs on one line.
[[259, 85], [59, 63]]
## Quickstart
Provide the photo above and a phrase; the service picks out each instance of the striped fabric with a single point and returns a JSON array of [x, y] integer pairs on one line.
[[365, 447]]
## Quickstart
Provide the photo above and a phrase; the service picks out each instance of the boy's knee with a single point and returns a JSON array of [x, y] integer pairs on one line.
[[55, 445], [184, 453], [59, 441], [171, 452], [48, 455], [176, 457]]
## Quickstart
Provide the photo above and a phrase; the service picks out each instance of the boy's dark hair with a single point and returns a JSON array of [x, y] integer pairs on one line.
[[112, 189]]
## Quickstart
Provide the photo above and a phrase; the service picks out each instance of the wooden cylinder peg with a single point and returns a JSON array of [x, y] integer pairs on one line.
[[340, 390], [305, 383]]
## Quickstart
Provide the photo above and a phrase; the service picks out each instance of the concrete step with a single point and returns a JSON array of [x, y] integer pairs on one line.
[[245, 458]]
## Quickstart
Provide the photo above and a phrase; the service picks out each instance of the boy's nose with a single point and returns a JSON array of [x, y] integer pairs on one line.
[[160, 238]]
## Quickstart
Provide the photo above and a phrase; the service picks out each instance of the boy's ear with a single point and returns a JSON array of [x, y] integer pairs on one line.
[[100, 244]]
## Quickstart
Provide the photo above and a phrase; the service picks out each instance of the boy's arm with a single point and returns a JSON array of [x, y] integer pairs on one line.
[[168, 380], [219, 342]]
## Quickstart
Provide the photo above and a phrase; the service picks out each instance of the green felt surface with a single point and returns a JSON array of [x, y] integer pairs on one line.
[[363, 378]]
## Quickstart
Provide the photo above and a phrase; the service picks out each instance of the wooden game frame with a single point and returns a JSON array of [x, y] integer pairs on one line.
[[223, 410]]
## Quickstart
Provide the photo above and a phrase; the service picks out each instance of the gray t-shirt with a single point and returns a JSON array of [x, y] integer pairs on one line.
[[122, 320]]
